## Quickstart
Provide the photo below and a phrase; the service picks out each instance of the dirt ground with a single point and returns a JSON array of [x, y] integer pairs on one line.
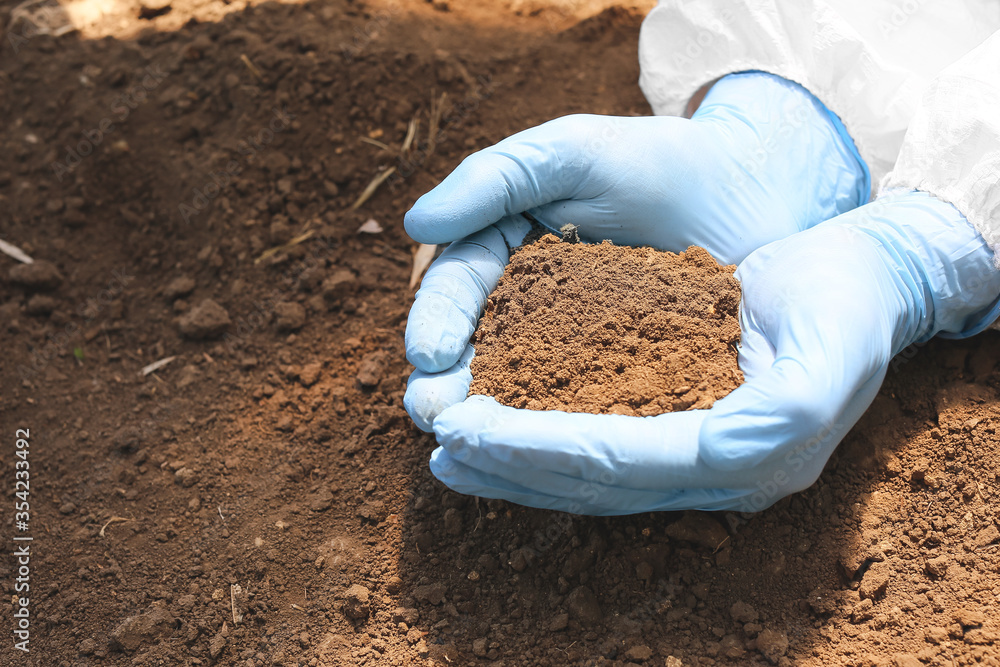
[[263, 499]]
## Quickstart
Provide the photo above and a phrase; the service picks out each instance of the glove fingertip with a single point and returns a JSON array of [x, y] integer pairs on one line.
[[422, 402], [429, 394], [430, 358], [434, 348], [419, 224], [443, 218], [442, 465], [417, 405]]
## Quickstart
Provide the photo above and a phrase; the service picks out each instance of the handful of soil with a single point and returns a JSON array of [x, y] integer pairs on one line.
[[609, 329]]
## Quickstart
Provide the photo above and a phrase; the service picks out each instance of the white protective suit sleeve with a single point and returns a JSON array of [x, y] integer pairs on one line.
[[868, 61], [952, 148]]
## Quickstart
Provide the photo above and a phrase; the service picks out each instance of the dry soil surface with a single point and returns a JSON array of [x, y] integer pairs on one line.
[[263, 498]]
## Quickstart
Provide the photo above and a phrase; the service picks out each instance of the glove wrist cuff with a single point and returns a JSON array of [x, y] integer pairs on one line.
[[945, 264]]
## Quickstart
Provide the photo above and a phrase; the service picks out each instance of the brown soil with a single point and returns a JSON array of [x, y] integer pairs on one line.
[[605, 328], [279, 459]]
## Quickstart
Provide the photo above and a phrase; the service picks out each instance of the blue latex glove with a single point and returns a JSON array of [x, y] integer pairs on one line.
[[761, 159], [823, 313]]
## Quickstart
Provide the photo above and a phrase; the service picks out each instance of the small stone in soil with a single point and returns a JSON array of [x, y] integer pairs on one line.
[[373, 511], [987, 536], [310, 374], [289, 316], [206, 320], [639, 653], [919, 470], [772, 644], [393, 584], [41, 304], [937, 567], [153, 624], [371, 369], [583, 606], [178, 287], [186, 477], [356, 599], [453, 521], [969, 618], [321, 500], [40, 275], [407, 615], [743, 613], [432, 593], [936, 634], [863, 611], [699, 528], [187, 376], [875, 581], [731, 647], [215, 646], [338, 285], [558, 622], [519, 560]]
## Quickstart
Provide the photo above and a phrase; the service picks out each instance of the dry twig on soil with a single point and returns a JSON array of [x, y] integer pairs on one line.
[[156, 365], [372, 187], [250, 66], [12, 250], [236, 591], [114, 519], [284, 246], [437, 111], [422, 258], [411, 134]]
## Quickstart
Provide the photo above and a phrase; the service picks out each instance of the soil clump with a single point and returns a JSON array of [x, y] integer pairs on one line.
[[609, 329]]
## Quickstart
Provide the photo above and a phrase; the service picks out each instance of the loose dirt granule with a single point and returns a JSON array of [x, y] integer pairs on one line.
[[609, 329]]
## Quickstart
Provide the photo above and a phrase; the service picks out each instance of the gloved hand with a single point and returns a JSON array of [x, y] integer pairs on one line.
[[823, 313], [761, 159]]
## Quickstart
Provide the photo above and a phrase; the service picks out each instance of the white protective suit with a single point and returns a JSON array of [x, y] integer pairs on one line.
[[926, 69]]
